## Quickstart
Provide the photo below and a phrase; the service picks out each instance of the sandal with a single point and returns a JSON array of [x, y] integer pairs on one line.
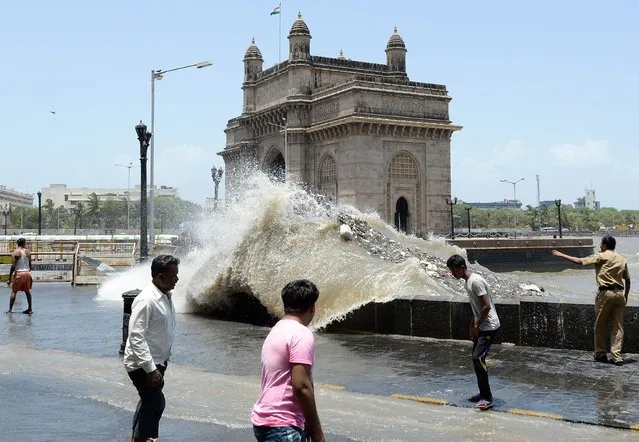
[[484, 404], [28, 311]]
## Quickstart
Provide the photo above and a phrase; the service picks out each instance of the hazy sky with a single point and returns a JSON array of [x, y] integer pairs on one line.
[[544, 87]]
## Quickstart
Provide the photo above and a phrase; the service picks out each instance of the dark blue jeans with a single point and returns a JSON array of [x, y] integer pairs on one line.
[[481, 346], [279, 434]]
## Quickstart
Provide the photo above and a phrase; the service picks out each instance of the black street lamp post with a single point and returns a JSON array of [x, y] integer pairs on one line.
[[558, 204], [144, 137], [451, 203], [6, 212], [39, 213], [216, 174], [468, 209]]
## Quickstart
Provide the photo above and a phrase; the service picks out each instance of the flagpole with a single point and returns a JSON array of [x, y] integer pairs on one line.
[[279, 36]]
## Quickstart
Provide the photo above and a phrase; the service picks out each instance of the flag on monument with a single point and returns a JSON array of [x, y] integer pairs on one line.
[[276, 10]]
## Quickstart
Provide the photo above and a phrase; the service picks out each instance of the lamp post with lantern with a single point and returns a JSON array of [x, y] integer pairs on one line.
[[216, 174], [144, 137]]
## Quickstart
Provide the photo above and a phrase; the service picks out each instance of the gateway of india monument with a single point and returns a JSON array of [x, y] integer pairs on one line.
[[360, 133]]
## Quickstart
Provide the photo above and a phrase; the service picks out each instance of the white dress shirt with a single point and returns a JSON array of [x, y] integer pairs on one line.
[[151, 330]]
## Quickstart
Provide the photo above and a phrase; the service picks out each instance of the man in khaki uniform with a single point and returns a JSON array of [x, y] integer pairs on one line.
[[613, 281]]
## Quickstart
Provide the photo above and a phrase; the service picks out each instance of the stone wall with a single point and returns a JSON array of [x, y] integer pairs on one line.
[[532, 321], [529, 254]]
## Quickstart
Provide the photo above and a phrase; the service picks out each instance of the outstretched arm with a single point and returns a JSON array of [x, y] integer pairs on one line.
[[572, 259]]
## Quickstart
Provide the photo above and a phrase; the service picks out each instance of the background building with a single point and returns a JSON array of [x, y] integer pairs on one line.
[[358, 132], [14, 198], [505, 204], [588, 201], [63, 196]]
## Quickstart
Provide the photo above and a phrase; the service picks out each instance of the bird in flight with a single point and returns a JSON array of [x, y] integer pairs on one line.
[[53, 112]]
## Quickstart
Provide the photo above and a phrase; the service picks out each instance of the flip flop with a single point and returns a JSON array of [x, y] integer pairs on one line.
[[484, 405], [28, 312]]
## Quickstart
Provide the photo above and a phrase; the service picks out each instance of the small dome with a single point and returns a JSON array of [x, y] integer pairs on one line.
[[395, 41], [253, 52], [341, 55], [299, 27]]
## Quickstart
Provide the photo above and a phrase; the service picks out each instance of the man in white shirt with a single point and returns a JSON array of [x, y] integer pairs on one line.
[[148, 347], [483, 325]]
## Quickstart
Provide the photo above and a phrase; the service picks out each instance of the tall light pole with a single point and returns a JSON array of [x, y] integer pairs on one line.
[[514, 183], [558, 204], [6, 211], [128, 195], [158, 74], [144, 137], [468, 209], [216, 174], [39, 213], [284, 128], [451, 203]]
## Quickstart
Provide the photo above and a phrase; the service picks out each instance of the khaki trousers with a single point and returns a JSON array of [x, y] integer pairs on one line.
[[609, 306]]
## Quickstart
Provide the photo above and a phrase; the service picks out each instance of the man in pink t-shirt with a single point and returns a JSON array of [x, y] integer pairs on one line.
[[285, 409]]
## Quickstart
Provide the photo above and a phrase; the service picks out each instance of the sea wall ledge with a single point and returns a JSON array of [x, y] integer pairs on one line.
[[530, 321]]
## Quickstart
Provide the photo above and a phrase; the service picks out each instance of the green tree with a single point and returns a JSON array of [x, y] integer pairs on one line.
[[78, 213], [170, 212], [94, 209], [49, 212]]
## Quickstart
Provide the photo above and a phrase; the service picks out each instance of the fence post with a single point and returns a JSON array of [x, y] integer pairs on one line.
[[127, 298]]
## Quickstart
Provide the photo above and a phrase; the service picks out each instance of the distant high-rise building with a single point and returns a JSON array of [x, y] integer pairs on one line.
[[63, 196], [15, 198], [588, 201]]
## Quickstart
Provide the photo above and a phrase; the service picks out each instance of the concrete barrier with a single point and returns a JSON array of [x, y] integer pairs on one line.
[[530, 254], [531, 321]]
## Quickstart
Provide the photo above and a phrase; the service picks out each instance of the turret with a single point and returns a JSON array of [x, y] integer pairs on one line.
[[396, 53], [299, 41], [253, 61]]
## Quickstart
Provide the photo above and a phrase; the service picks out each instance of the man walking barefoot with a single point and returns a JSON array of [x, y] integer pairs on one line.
[[148, 347], [285, 409], [613, 281], [21, 274], [483, 325]]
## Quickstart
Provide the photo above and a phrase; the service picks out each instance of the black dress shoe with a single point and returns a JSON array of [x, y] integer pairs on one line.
[[618, 363], [601, 359]]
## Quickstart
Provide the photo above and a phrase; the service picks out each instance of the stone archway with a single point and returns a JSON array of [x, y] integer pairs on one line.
[[401, 214], [274, 165], [403, 193], [328, 177]]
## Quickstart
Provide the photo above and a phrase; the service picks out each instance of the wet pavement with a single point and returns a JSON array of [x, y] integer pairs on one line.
[[353, 371], [559, 384]]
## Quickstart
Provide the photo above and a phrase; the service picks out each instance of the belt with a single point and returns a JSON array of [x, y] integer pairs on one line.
[[610, 287]]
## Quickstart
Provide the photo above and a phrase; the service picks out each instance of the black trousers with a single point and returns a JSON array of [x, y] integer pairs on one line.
[[146, 420], [481, 346]]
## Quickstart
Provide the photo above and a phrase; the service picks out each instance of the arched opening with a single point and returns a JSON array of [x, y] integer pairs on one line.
[[401, 215], [403, 192], [328, 178], [276, 168]]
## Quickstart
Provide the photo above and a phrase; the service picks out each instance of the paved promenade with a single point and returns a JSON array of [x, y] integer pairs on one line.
[[558, 384], [62, 362]]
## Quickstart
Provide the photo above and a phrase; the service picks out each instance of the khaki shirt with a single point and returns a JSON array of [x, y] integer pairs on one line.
[[610, 268]]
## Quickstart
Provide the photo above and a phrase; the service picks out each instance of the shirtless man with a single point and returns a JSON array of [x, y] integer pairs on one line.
[[21, 273]]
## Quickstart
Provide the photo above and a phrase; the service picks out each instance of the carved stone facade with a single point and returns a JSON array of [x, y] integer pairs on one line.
[[361, 133]]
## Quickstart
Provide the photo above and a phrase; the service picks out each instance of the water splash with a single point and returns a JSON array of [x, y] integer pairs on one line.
[[273, 232]]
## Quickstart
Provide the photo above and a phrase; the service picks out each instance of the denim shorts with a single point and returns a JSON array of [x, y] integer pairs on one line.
[[279, 434]]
